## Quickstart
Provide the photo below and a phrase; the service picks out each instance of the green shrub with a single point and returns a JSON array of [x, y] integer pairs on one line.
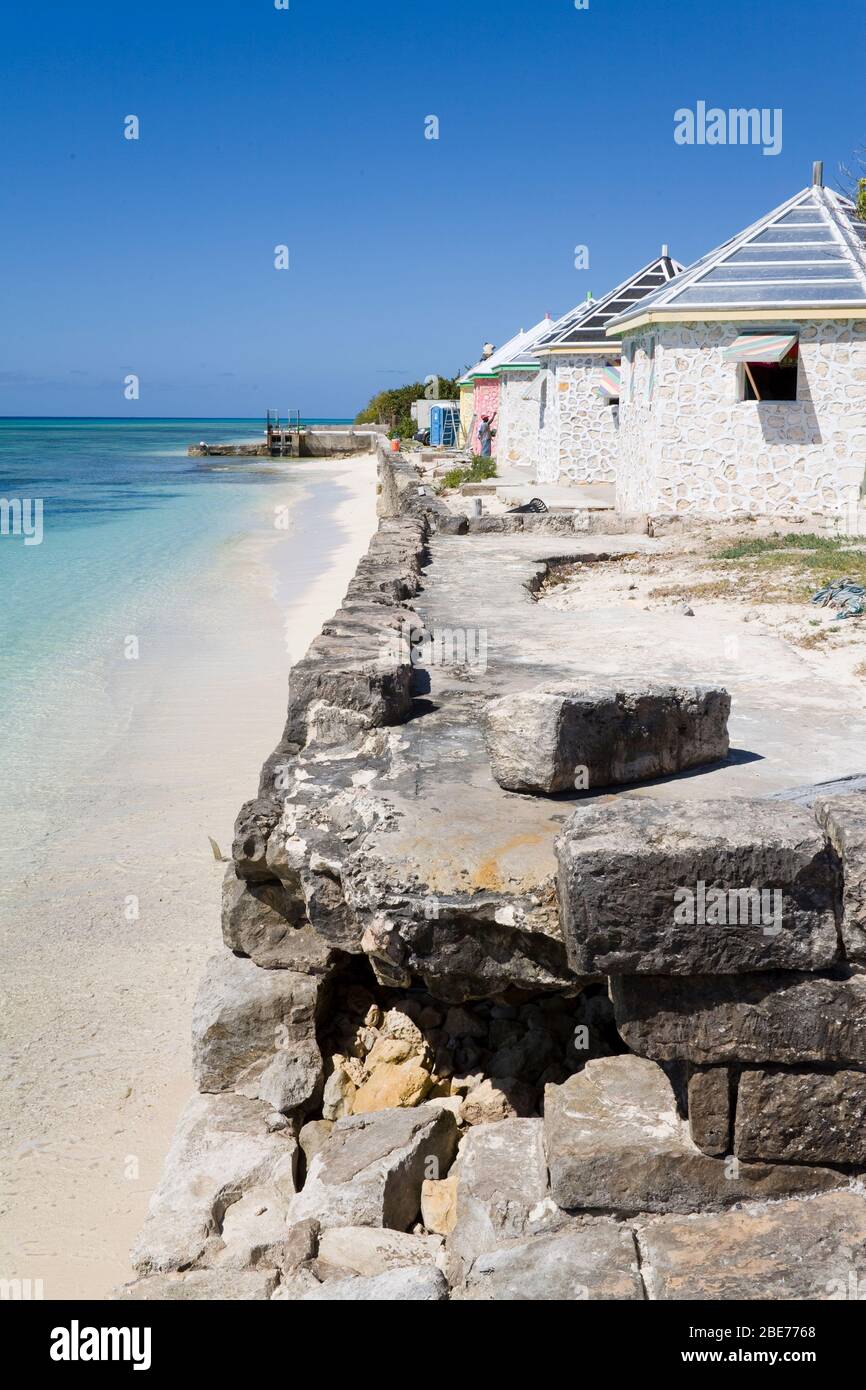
[[481, 468]]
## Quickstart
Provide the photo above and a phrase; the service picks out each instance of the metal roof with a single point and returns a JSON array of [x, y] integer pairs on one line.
[[810, 252], [586, 324], [511, 352]]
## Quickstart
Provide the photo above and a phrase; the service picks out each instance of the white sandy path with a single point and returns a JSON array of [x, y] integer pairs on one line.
[[96, 1008]]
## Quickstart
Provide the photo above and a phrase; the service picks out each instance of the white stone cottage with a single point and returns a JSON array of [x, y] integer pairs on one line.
[[743, 381], [577, 440], [520, 377]]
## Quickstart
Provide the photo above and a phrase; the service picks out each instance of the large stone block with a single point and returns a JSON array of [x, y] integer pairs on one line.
[[202, 1285], [253, 1031], [502, 1188], [615, 1142], [683, 888], [221, 1149], [813, 1250], [556, 739], [773, 1017], [596, 1261], [844, 821], [374, 686], [802, 1117], [409, 1284], [369, 1251], [370, 1170]]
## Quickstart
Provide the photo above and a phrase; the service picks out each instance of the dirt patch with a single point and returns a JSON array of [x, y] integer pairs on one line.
[[768, 581]]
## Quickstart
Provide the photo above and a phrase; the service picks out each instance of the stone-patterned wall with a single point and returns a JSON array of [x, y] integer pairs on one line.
[[467, 405], [578, 435], [689, 445], [486, 403], [517, 441]]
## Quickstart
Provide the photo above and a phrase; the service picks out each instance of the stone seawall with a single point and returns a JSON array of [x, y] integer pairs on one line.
[[456, 1045]]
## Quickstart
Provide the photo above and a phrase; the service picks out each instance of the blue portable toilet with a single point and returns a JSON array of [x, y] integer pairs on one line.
[[444, 421]]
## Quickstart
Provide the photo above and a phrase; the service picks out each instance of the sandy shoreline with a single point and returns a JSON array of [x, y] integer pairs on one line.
[[102, 954]]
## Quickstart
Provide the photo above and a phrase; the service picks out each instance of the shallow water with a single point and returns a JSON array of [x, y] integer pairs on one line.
[[128, 521]]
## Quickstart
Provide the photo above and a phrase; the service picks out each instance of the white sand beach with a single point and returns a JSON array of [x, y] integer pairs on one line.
[[96, 1000]]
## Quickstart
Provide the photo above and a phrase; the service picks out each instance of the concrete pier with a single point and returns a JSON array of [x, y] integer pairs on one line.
[[312, 441]]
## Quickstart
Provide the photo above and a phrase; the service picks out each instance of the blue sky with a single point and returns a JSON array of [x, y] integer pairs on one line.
[[305, 127]]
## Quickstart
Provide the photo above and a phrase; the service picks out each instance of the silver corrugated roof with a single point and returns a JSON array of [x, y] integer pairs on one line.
[[586, 324], [809, 252]]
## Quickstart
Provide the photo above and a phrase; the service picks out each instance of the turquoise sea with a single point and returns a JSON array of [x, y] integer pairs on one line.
[[127, 521]]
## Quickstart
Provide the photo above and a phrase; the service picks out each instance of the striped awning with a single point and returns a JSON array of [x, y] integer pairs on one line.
[[760, 347], [609, 381]]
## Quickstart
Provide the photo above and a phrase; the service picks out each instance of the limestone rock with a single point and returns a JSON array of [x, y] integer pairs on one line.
[[596, 1261], [254, 1230], [300, 1245], [338, 675], [339, 1093], [710, 1110], [460, 1023], [425, 1284], [642, 882], [313, 1136], [615, 1142], [478, 943], [439, 1205], [554, 740], [392, 1084], [221, 1149], [370, 1171], [294, 1285], [771, 1017], [844, 821], [502, 1189], [369, 1250], [256, 819], [263, 920], [210, 1285], [254, 1032], [497, 1098], [802, 1117], [803, 1250]]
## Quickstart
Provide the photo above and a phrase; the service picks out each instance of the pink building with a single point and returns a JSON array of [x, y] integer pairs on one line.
[[481, 383]]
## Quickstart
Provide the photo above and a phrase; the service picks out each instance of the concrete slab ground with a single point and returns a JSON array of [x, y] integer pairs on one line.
[[458, 831], [514, 491]]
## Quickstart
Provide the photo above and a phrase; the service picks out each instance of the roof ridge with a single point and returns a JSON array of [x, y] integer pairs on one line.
[[853, 251], [768, 276], [579, 315]]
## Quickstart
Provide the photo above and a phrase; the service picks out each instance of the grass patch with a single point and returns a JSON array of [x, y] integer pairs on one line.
[[810, 640], [802, 564], [479, 471], [710, 588], [752, 545]]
